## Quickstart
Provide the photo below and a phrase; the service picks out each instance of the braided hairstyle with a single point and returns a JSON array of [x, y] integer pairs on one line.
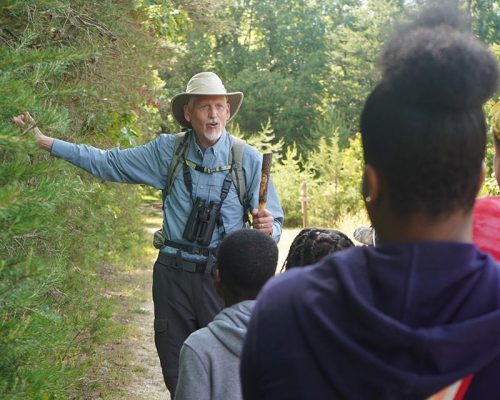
[[313, 244]]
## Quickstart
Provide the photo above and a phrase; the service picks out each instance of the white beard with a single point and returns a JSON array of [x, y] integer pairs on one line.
[[212, 135]]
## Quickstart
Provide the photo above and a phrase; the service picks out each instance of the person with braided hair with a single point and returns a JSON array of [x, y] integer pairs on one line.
[[314, 244], [416, 316]]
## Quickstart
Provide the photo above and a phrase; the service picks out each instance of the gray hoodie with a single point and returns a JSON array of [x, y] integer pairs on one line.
[[209, 362]]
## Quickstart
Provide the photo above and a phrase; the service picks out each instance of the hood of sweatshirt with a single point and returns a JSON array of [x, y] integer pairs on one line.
[[416, 317], [230, 325]]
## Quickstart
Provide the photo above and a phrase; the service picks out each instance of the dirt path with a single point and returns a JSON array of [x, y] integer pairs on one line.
[[145, 378], [129, 367]]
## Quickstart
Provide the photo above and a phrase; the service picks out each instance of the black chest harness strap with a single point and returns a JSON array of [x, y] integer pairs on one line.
[[234, 171]]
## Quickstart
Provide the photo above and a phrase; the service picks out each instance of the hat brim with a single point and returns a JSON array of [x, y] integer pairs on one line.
[[178, 101]]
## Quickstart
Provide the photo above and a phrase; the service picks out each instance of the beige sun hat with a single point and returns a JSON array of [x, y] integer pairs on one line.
[[204, 84]]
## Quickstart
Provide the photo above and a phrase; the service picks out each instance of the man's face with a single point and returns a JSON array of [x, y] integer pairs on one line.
[[208, 116]]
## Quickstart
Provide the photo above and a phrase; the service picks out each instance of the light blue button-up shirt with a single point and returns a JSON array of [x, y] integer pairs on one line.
[[149, 164]]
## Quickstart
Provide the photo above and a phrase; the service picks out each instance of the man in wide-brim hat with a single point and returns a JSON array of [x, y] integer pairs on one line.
[[205, 85], [183, 287]]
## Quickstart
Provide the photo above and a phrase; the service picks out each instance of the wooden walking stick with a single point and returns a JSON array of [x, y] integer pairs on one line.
[[266, 171]]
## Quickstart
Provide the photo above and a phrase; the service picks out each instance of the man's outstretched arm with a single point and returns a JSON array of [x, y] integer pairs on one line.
[[146, 164]]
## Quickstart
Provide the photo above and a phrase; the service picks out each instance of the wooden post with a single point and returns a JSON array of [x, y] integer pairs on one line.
[[303, 202]]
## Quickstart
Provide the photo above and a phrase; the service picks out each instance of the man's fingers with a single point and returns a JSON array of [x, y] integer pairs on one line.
[[28, 118], [260, 213], [18, 120], [23, 119], [26, 121], [263, 220]]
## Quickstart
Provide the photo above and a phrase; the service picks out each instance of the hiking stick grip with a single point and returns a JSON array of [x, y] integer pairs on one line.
[[264, 182]]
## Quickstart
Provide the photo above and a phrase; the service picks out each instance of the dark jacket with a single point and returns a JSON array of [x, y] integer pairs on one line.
[[399, 321]]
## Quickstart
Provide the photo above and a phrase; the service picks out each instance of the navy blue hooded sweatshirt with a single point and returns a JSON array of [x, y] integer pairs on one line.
[[398, 321]]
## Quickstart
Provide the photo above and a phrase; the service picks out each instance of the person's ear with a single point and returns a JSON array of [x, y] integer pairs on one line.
[[187, 113], [371, 184]]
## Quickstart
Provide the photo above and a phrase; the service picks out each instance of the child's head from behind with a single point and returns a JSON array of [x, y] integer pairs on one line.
[[423, 127], [246, 259], [313, 244]]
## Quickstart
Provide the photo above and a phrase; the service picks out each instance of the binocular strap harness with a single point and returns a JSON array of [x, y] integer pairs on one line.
[[204, 218]]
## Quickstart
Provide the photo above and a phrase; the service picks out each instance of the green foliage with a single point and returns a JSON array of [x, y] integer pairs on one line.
[[307, 67], [163, 20], [265, 141], [103, 73], [336, 191], [85, 70], [288, 177], [358, 33], [485, 18], [490, 187]]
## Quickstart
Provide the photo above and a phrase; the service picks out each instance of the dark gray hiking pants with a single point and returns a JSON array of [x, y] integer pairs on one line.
[[184, 302]]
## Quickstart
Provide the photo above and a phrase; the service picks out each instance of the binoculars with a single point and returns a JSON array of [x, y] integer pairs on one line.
[[202, 221]]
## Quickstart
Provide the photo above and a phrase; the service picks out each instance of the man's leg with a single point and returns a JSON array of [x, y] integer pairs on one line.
[[173, 319], [184, 302], [207, 303]]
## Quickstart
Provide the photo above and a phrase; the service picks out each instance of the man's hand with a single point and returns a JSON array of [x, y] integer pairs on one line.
[[262, 220], [26, 121]]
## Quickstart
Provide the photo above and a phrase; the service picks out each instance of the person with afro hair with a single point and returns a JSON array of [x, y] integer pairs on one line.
[[418, 314]]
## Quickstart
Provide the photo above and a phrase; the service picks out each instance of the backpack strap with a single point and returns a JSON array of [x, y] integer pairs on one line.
[[180, 147], [235, 159]]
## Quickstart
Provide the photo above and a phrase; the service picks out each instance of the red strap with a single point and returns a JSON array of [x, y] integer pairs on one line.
[[456, 389], [464, 385]]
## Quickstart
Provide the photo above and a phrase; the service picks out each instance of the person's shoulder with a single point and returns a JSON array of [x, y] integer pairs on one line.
[[283, 286], [350, 257], [249, 152], [167, 137], [490, 204], [252, 152], [486, 225], [197, 341], [298, 278]]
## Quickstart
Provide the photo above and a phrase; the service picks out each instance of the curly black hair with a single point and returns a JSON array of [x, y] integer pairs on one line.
[[246, 259], [423, 126], [313, 244]]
